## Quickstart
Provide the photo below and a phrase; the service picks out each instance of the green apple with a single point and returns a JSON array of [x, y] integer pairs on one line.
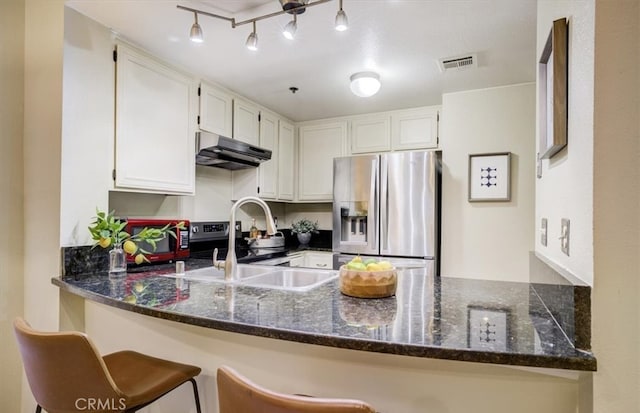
[[358, 266]]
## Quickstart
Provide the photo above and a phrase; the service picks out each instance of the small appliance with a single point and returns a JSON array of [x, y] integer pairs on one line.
[[167, 250]]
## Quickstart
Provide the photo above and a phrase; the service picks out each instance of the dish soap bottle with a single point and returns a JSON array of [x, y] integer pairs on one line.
[[253, 231]]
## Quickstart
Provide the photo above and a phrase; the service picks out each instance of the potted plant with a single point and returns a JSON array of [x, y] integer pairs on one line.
[[303, 229], [108, 232]]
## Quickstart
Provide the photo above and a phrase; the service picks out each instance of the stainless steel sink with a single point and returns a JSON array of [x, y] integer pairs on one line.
[[214, 274], [291, 279], [281, 278]]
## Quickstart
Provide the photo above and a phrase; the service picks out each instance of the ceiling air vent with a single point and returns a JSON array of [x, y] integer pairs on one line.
[[462, 62]]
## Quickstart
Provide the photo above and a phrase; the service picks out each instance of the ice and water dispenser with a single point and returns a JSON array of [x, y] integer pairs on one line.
[[354, 221]]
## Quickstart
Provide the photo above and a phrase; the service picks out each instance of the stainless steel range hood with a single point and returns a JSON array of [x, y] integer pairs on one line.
[[222, 152]]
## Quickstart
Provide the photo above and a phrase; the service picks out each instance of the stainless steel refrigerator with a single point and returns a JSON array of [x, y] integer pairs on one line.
[[387, 205]]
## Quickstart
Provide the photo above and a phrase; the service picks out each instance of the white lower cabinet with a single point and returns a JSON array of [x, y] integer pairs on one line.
[[312, 259], [318, 145], [156, 107]]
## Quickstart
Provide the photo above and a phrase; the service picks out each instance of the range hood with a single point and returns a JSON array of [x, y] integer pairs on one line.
[[222, 152]]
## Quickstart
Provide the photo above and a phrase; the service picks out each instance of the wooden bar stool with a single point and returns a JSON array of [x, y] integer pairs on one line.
[[236, 394], [67, 374]]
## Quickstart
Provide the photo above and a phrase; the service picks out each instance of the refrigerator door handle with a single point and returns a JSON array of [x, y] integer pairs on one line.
[[384, 207], [373, 203]]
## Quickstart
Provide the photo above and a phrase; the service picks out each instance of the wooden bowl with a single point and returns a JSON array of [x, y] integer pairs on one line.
[[368, 284]]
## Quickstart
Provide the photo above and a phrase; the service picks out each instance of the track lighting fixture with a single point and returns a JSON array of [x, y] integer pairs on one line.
[[196, 31], [293, 7], [252, 40], [342, 23], [289, 30]]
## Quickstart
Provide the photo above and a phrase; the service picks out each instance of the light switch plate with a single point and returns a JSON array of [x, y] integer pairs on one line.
[[565, 235], [543, 232]]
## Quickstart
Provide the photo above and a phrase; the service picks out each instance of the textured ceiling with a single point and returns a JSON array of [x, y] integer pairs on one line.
[[400, 39]]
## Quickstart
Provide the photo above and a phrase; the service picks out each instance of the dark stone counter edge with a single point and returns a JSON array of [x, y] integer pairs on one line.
[[585, 362]]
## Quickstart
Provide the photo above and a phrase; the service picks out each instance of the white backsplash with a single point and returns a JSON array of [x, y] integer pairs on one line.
[[212, 203]]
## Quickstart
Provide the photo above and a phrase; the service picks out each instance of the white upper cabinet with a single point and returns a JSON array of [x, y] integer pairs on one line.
[[156, 108], [245, 122], [286, 161], [371, 133], [216, 110], [267, 180], [415, 128], [318, 145], [268, 170]]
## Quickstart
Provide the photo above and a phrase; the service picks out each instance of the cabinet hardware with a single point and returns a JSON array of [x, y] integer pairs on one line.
[[198, 90], [113, 174], [115, 55]]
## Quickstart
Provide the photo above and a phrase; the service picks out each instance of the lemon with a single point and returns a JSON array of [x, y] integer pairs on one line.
[[139, 259], [356, 259], [130, 247], [369, 261], [385, 265], [374, 267], [139, 287], [104, 242]]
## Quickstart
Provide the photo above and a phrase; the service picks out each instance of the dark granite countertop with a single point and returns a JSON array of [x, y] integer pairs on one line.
[[435, 317]]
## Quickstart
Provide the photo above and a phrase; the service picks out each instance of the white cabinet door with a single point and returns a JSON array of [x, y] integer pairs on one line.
[[371, 134], [415, 128], [286, 161], [297, 261], [268, 170], [318, 145], [318, 260], [155, 125], [245, 122], [216, 109]]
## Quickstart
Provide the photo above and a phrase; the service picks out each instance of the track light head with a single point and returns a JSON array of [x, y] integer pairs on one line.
[[342, 23], [252, 40], [289, 31], [196, 31]]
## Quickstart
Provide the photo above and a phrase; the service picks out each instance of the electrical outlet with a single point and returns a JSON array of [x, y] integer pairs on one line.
[[543, 232], [565, 235]]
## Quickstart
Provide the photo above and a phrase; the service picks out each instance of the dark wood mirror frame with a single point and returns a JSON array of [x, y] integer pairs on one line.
[[553, 91]]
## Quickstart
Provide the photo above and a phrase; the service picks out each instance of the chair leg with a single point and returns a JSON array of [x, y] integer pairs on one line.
[[195, 395], [38, 409]]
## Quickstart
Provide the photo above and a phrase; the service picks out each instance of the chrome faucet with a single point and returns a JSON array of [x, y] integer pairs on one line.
[[230, 264]]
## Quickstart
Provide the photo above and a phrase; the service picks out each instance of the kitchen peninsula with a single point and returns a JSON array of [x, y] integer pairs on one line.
[[432, 317]]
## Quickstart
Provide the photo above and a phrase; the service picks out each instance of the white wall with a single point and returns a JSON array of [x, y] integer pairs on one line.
[[566, 187], [616, 207], [488, 240], [11, 200], [87, 125], [42, 131], [394, 384]]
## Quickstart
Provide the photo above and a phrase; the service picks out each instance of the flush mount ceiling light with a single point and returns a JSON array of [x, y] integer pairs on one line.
[[365, 84], [293, 7], [196, 32]]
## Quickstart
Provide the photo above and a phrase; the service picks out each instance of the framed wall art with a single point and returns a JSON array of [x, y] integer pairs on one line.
[[490, 177], [553, 91]]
